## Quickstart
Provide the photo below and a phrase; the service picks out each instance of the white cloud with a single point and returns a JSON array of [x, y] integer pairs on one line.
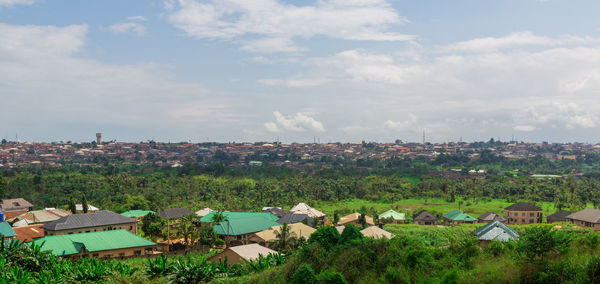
[[524, 128], [43, 76], [137, 18], [130, 27], [402, 125], [277, 24], [16, 2], [297, 123]]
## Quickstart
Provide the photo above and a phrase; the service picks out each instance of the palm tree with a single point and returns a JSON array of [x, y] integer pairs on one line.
[[284, 239], [187, 230], [218, 217]]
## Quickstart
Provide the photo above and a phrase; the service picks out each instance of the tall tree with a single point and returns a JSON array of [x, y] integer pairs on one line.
[[84, 204], [72, 206], [284, 239]]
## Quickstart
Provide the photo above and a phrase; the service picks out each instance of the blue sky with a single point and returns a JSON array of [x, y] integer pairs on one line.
[[338, 70]]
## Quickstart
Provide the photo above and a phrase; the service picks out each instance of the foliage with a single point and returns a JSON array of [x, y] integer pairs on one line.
[[304, 275], [326, 236], [350, 233]]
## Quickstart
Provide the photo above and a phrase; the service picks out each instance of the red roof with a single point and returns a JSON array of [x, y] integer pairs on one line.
[[29, 233]]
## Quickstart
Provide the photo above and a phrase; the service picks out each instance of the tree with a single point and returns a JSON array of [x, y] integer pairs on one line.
[[284, 239], [84, 204], [186, 229], [327, 237], [152, 225], [362, 219], [336, 217], [218, 217], [72, 206], [350, 233]]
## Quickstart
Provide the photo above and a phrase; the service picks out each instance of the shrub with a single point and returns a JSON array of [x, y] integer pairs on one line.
[[331, 277], [350, 233], [159, 266], [326, 236], [396, 276], [592, 269], [451, 277], [304, 275]]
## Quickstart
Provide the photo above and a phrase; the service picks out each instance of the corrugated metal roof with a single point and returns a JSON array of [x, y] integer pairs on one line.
[[101, 218], [588, 215], [496, 231], [354, 217], [175, 213], [242, 226], [457, 215], [237, 215], [95, 241], [252, 251], [392, 214], [376, 233], [299, 229], [6, 230], [305, 209], [136, 213]]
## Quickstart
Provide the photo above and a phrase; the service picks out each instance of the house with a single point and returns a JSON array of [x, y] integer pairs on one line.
[[174, 213], [38, 216], [490, 217], [354, 219], [240, 254], [15, 207], [6, 231], [91, 208], [559, 216], [203, 212], [303, 208], [103, 220], [376, 233], [104, 244], [393, 216], [456, 217], [523, 213], [267, 237], [238, 231], [587, 217], [424, 217], [495, 231], [236, 215], [29, 233], [136, 214], [291, 218], [277, 211]]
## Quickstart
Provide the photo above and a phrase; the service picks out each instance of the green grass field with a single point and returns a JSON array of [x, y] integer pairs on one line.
[[434, 205]]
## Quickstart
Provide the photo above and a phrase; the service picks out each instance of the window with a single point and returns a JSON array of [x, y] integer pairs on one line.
[[87, 231], [137, 252], [523, 214], [70, 233], [131, 228], [531, 214], [95, 255], [121, 254], [530, 220]]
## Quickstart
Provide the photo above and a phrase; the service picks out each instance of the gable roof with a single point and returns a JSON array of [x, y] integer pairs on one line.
[[203, 212], [79, 207], [29, 233], [376, 233], [242, 226], [457, 215], [174, 213], [39, 216], [294, 218], [489, 216], [355, 217], [277, 211], [425, 216], [15, 204], [236, 215], [588, 215], [6, 230], [496, 231], [136, 213], [305, 209], [251, 251], [523, 206], [100, 218], [392, 214], [92, 242], [559, 215], [299, 229]]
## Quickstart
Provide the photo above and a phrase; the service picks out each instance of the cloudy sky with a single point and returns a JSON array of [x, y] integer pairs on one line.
[[337, 70]]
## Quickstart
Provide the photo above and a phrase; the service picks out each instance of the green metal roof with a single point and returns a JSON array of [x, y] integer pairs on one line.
[[95, 241], [136, 213], [392, 214], [242, 226], [237, 215], [6, 230], [457, 215]]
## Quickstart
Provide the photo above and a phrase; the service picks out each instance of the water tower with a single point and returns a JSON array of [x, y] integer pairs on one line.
[[98, 138]]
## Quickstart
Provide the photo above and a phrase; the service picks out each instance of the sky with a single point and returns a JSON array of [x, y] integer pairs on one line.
[[300, 70]]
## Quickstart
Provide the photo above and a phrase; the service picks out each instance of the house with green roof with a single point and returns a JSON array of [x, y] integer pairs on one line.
[[237, 231], [456, 217], [237, 215], [495, 231], [392, 216], [104, 244], [7, 231], [137, 214]]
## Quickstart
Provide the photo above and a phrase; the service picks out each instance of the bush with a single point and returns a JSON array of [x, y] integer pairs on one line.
[[331, 277], [350, 233], [326, 236], [304, 275], [592, 269], [219, 242], [396, 276], [451, 277]]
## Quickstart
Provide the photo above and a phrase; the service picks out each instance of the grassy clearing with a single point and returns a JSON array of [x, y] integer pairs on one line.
[[434, 205]]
